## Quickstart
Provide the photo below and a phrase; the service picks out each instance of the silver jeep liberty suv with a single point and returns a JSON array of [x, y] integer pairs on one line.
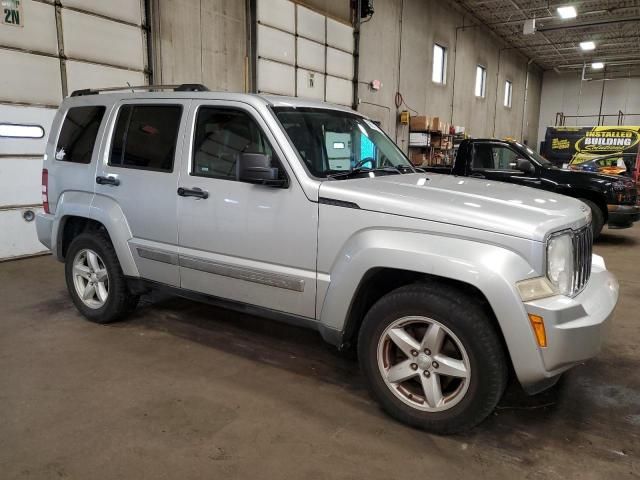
[[308, 213]]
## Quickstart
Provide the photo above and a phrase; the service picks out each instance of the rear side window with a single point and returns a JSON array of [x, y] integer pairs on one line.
[[145, 137], [78, 135]]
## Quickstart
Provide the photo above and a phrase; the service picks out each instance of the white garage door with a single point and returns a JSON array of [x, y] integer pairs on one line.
[[303, 53], [46, 52]]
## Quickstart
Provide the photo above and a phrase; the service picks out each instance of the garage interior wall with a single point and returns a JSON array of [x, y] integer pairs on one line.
[[396, 47], [569, 94], [54, 49], [199, 41], [205, 41]]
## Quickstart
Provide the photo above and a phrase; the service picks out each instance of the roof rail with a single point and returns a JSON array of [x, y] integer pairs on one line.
[[185, 87]]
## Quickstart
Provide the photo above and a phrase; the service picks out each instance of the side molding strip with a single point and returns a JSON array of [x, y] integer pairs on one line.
[[286, 282], [158, 256]]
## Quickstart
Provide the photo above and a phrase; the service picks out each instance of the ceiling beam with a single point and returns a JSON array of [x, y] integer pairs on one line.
[[592, 23]]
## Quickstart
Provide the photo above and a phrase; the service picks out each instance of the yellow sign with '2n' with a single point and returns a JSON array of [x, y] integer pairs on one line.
[[12, 13]]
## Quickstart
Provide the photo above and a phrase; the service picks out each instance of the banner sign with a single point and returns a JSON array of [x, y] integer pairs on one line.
[[575, 145]]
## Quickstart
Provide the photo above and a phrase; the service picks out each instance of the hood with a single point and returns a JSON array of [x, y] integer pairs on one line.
[[616, 182], [487, 205]]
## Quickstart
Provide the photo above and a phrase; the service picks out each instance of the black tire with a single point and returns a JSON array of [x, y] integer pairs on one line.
[[466, 319], [119, 300], [597, 218]]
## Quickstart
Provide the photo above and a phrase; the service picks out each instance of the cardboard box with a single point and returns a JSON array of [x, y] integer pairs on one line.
[[418, 158], [419, 123], [436, 124], [419, 139]]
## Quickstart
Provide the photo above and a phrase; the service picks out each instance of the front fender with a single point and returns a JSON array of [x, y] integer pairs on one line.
[[492, 269], [100, 209]]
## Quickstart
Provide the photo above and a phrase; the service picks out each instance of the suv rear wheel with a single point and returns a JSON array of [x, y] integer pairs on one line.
[[95, 280], [432, 358]]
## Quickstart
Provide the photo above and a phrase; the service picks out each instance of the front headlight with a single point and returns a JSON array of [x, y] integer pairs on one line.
[[560, 267]]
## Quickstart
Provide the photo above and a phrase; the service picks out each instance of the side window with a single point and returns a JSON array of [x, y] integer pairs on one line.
[[504, 158], [221, 135], [483, 157], [493, 157], [78, 134], [145, 137]]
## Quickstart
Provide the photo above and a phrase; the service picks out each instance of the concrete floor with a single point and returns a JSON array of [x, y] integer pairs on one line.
[[183, 390]]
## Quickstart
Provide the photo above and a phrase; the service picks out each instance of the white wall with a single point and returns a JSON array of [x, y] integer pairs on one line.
[[396, 47], [567, 93]]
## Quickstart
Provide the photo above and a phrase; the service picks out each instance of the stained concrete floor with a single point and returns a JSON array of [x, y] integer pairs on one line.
[[184, 390]]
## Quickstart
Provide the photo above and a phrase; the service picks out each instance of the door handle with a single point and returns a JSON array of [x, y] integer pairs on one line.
[[193, 192], [107, 181]]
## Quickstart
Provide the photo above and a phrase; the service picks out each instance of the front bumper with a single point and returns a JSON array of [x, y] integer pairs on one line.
[[622, 216], [575, 327]]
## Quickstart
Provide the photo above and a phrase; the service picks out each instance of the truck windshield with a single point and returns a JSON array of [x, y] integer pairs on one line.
[[335, 144], [536, 156]]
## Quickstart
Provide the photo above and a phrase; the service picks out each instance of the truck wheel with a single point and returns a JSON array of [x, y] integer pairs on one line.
[[597, 218], [432, 358], [95, 280]]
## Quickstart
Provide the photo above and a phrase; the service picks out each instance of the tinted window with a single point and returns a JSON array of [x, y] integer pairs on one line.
[[493, 157], [78, 134], [145, 137], [223, 134]]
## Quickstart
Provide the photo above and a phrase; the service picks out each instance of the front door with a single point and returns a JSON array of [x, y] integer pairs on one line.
[[138, 175], [254, 244]]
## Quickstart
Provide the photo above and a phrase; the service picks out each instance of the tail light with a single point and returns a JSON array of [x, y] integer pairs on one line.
[[45, 190]]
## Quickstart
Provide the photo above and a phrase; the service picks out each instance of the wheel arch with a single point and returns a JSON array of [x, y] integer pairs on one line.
[[485, 273], [78, 213]]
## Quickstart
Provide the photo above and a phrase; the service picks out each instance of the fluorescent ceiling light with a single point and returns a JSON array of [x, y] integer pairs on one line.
[[597, 65], [587, 45], [567, 12]]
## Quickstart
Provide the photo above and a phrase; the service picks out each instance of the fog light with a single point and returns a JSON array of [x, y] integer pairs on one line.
[[537, 322]]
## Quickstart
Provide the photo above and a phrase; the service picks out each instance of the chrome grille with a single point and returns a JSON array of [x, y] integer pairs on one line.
[[582, 249]]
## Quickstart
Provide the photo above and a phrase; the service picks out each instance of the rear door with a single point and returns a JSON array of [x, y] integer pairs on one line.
[[139, 172]]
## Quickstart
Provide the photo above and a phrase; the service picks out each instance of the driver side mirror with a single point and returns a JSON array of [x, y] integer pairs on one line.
[[525, 166], [256, 168]]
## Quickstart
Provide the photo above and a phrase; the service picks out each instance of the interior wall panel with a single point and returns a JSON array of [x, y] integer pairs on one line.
[[87, 37], [81, 75], [125, 10], [310, 84], [30, 78], [39, 30], [276, 45], [339, 63], [311, 55], [277, 13], [310, 24], [276, 78]]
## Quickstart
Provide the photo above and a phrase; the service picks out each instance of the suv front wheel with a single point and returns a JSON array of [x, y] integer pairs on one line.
[[95, 280], [432, 358]]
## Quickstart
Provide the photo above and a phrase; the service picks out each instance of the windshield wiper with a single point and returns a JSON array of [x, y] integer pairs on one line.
[[355, 171]]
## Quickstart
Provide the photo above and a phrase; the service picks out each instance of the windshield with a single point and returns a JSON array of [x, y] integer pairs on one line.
[[536, 156], [333, 143]]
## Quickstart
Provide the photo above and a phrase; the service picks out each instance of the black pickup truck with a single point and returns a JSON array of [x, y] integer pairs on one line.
[[613, 199]]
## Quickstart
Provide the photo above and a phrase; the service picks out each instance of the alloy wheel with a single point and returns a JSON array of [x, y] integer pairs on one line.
[[90, 278], [423, 363]]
